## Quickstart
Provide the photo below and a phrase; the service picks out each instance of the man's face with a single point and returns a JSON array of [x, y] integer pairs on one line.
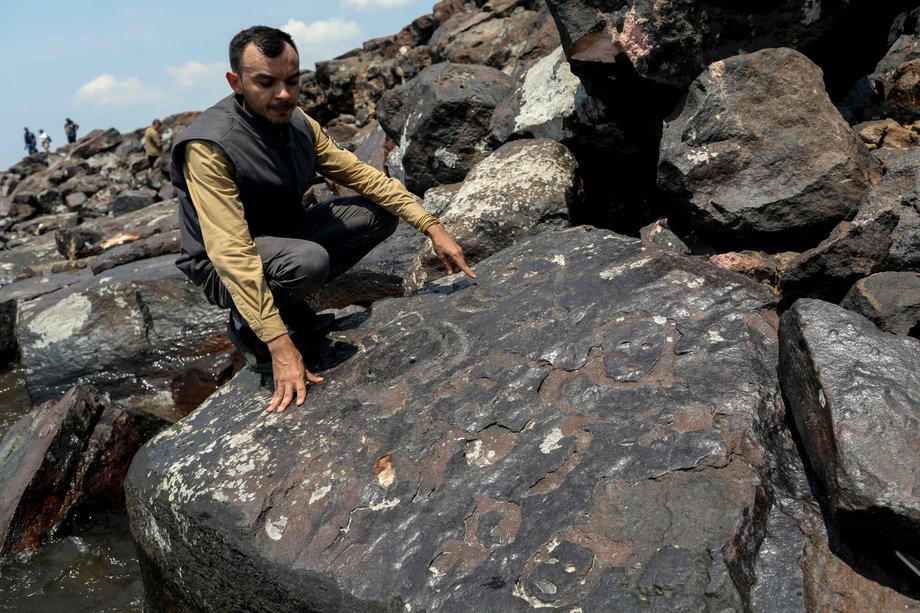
[[270, 87]]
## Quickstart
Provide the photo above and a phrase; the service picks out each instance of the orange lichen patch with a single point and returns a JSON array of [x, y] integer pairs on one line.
[[384, 470], [633, 40], [692, 418]]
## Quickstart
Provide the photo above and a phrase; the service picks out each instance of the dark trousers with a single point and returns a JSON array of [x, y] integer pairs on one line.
[[334, 236]]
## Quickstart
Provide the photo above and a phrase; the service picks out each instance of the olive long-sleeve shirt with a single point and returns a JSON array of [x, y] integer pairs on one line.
[[210, 176]]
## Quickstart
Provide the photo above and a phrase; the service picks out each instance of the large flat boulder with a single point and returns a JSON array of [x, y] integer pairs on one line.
[[128, 330], [579, 428]]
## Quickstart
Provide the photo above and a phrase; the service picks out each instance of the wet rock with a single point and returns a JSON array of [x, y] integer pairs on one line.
[[46, 223], [120, 330], [891, 300], [742, 122], [440, 120], [524, 187], [852, 389], [40, 456], [513, 444], [65, 461]]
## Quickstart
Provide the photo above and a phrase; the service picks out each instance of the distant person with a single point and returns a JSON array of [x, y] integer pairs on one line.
[[153, 145], [70, 128], [30, 141], [45, 140]]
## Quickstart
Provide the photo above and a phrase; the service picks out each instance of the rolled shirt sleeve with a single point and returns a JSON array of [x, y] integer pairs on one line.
[[210, 176]]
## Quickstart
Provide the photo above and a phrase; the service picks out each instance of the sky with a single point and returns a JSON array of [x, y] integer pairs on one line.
[[120, 64]]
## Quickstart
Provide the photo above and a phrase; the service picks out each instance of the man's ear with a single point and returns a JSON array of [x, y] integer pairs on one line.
[[234, 80]]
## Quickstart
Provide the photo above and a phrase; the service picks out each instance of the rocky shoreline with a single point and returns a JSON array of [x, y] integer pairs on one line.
[[686, 378]]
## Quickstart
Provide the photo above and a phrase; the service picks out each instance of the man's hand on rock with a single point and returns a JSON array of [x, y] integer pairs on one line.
[[448, 251], [290, 374]]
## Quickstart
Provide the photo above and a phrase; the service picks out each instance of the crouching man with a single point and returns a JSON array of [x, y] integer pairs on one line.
[[240, 172]]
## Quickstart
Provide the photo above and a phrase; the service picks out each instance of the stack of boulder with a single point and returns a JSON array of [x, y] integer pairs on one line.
[[684, 379]]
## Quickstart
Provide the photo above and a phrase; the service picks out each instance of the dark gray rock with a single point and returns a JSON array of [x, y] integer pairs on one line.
[[132, 200], [523, 188], [853, 391], [853, 250], [660, 233], [96, 142], [8, 347], [492, 37], [758, 153], [513, 444], [143, 248], [80, 242], [891, 300], [46, 223], [123, 330], [441, 121], [899, 191], [670, 41]]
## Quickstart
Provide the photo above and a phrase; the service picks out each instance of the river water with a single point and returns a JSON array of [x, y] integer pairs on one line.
[[94, 569]]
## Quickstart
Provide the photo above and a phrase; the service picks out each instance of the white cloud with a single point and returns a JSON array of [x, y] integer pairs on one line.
[[363, 5], [107, 90], [325, 39], [195, 74]]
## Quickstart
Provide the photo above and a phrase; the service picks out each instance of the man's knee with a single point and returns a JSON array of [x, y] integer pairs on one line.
[[303, 269]]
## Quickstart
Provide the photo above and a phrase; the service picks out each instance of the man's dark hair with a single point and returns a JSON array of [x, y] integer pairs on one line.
[[270, 41]]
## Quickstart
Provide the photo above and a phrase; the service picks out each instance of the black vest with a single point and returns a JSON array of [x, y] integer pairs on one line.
[[274, 166]]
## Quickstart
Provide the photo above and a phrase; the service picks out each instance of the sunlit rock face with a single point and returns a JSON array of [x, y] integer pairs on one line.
[[853, 391], [581, 427]]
